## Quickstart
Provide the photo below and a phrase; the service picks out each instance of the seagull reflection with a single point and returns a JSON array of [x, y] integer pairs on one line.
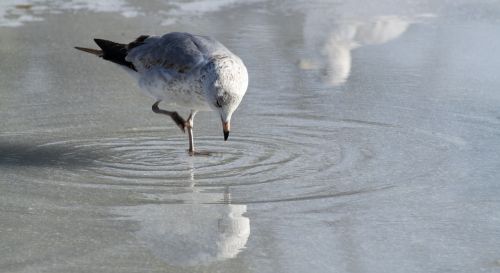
[[330, 42], [191, 233]]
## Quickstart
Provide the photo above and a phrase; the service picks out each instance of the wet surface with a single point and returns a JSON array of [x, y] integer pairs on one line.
[[368, 141]]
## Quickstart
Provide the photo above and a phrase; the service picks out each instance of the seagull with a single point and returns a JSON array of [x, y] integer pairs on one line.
[[189, 71]]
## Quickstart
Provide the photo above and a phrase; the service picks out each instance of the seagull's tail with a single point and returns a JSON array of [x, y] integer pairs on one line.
[[111, 51]]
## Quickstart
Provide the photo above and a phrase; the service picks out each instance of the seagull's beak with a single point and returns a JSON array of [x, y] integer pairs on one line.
[[226, 127]]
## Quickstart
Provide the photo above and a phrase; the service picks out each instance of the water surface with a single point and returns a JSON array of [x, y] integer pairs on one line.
[[368, 141]]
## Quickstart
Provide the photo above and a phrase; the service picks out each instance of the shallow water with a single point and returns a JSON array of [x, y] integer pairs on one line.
[[368, 141]]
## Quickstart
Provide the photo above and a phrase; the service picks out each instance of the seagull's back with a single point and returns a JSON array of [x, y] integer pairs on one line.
[[170, 67], [184, 50]]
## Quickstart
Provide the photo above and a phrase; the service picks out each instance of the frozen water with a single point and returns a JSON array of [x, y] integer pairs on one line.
[[368, 141], [15, 13]]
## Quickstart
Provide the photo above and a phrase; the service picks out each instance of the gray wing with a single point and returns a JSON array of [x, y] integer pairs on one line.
[[176, 51]]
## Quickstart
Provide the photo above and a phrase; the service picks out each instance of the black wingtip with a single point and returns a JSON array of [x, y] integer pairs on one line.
[[114, 52], [104, 44]]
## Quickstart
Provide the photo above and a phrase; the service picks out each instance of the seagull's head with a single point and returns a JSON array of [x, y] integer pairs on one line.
[[226, 103], [226, 84]]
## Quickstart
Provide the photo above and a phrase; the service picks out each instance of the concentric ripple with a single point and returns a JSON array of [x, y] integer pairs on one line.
[[350, 157], [135, 159]]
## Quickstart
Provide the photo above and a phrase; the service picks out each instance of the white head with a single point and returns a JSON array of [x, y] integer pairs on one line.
[[227, 84]]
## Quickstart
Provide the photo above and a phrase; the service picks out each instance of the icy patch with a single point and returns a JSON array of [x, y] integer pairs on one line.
[[14, 13], [203, 6], [200, 7]]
